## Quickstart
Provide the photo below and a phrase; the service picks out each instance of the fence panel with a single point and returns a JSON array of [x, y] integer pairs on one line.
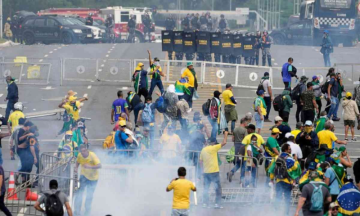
[[219, 73], [249, 76], [114, 70], [35, 74], [80, 69], [11, 69], [350, 72]]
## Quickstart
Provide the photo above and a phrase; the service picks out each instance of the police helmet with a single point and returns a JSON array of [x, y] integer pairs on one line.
[[18, 106], [222, 16]]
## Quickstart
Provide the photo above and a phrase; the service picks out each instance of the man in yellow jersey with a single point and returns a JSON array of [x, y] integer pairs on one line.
[[210, 163], [190, 73], [328, 137], [15, 116], [230, 105], [90, 165], [299, 128], [181, 198]]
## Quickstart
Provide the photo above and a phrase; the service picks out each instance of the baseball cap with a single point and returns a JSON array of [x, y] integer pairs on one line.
[[217, 93], [335, 158], [140, 64], [266, 74], [299, 125], [71, 93], [326, 31], [348, 94], [189, 64], [122, 123], [341, 149], [275, 130], [228, 85], [314, 77], [72, 98], [312, 165], [261, 92], [278, 118], [156, 59], [303, 78], [69, 132], [288, 135], [308, 123], [333, 204], [251, 126]]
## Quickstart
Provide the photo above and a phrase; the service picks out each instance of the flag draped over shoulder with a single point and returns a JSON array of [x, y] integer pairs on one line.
[[349, 199], [304, 179], [293, 167], [181, 87], [137, 78]]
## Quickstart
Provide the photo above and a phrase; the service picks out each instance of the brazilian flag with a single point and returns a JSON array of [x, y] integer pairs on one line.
[[349, 199], [138, 80], [293, 166], [181, 86], [304, 179]]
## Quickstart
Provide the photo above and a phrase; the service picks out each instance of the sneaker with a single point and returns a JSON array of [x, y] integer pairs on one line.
[[204, 205], [217, 206], [267, 120], [353, 139], [229, 176], [336, 119]]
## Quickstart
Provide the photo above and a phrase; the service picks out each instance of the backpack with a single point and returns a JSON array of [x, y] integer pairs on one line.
[[278, 103], [53, 205], [317, 199], [260, 87], [160, 105], [206, 107], [296, 92], [147, 115], [324, 87], [213, 111], [109, 142], [280, 171]]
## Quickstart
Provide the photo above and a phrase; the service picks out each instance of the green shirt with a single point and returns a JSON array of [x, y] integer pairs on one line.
[[270, 144]]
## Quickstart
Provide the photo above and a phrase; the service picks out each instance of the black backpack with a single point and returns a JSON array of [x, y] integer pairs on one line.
[[260, 86], [53, 205], [296, 92], [325, 86], [278, 103], [206, 107], [280, 171]]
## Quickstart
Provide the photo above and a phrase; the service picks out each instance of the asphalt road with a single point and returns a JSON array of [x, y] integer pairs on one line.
[[101, 94]]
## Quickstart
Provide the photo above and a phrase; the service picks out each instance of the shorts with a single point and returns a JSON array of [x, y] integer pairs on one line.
[[350, 123], [180, 212], [259, 122]]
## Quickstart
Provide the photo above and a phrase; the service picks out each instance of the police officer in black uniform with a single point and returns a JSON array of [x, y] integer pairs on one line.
[[14, 26], [222, 23], [265, 46], [238, 57], [247, 59], [89, 20], [257, 48], [226, 57], [195, 22], [217, 56], [209, 23], [147, 26], [131, 27], [169, 23], [203, 22]]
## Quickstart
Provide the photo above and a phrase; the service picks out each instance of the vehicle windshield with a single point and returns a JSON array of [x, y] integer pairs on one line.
[[335, 4], [76, 21], [67, 21]]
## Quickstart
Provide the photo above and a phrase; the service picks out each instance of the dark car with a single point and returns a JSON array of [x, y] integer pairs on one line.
[[53, 29], [298, 33]]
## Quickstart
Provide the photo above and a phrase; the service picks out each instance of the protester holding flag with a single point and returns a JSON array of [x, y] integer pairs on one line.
[[349, 198], [182, 87], [191, 75], [140, 80], [334, 176]]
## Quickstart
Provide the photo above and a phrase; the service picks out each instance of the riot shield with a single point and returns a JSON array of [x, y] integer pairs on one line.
[[166, 40], [189, 43], [226, 44], [237, 44], [215, 42], [178, 41], [203, 42], [249, 48]]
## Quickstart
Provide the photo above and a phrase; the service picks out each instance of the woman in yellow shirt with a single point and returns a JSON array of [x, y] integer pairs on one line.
[[191, 75]]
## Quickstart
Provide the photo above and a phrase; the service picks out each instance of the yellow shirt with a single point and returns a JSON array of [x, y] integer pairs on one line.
[[326, 137], [70, 110], [91, 159], [14, 119], [187, 73], [295, 132], [227, 94], [170, 144], [247, 139], [209, 158], [181, 198]]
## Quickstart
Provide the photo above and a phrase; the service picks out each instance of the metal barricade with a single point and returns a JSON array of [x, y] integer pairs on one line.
[[114, 70], [77, 69], [27, 73], [349, 71]]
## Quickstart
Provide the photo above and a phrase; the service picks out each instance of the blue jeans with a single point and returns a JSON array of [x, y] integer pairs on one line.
[[334, 107], [215, 127], [232, 125], [89, 186], [252, 178], [137, 109], [208, 179], [282, 187], [27, 161], [239, 163], [152, 133], [158, 83], [327, 60], [9, 107]]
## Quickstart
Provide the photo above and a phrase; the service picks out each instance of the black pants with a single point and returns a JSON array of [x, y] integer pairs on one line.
[[2, 205], [287, 84], [318, 102], [308, 115], [144, 92], [268, 106], [284, 114], [327, 109], [298, 110]]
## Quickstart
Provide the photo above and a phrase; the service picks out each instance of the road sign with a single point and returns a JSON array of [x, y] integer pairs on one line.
[[114, 70], [220, 74], [33, 72], [80, 69], [253, 76], [242, 11], [6, 73]]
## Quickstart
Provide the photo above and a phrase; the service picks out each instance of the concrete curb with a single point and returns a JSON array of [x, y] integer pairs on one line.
[[9, 44]]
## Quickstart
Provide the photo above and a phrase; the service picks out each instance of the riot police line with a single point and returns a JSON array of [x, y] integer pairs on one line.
[[227, 47]]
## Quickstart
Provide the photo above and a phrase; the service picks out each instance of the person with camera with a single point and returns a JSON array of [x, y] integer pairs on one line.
[[288, 71], [181, 198], [308, 141]]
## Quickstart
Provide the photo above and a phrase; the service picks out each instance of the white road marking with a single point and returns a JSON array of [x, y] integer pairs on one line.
[[48, 88], [316, 50], [34, 109], [272, 59], [53, 99], [55, 49], [275, 63], [59, 47], [104, 60], [109, 52], [1, 95], [349, 79], [51, 52], [22, 74], [125, 88], [46, 56], [107, 56], [89, 87], [41, 60], [102, 65]]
